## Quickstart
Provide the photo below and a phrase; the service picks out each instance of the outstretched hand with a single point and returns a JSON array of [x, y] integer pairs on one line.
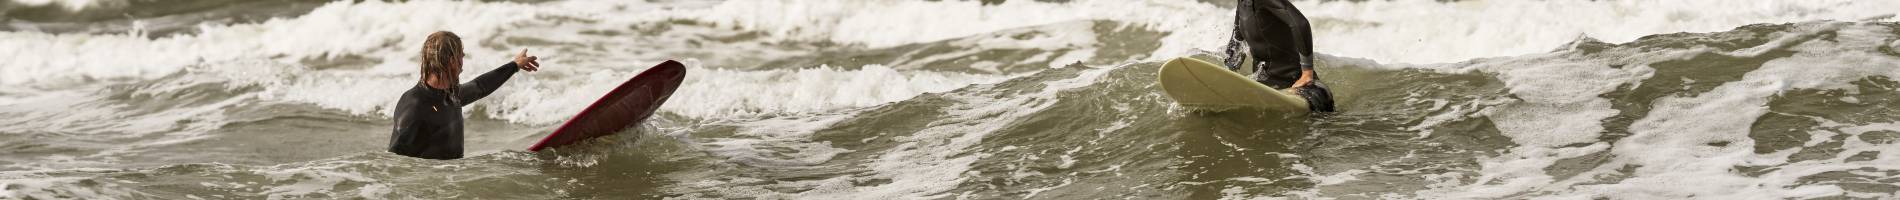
[[526, 62]]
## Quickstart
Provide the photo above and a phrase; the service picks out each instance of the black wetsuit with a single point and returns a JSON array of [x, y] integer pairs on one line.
[[1280, 42], [429, 120]]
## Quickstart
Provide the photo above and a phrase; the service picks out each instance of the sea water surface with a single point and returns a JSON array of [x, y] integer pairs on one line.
[[861, 99]]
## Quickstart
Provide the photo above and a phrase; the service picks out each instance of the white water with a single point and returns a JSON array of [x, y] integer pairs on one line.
[[74, 5], [1561, 104], [1668, 143], [1431, 32], [382, 31]]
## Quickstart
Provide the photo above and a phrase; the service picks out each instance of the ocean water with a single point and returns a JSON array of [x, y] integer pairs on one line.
[[860, 99]]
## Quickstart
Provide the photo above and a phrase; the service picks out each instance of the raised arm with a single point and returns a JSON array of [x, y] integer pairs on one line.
[[488, 82], [485, 84], [1303, 33]]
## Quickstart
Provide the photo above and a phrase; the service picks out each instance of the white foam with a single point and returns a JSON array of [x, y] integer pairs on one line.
[[934, 159], [903, 22], [388, 31], [319, 181], [1424, 31], [719, 93], [928, 162], [330, 30], [270, 55], [95, 125], [1554, 105], [58, 84], [40, 185], [891, 23], [1669, 145], [70, 5], [723, 92], [1412, 31], [1669, 149]]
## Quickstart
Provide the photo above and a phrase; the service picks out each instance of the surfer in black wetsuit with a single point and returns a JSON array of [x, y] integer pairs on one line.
[[1274, 38], [429, 116]]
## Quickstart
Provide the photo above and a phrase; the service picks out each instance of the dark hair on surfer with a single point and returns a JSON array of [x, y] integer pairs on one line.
[[439, 55]]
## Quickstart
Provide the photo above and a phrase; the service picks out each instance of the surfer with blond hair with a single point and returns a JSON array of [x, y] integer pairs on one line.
[[428, 121]]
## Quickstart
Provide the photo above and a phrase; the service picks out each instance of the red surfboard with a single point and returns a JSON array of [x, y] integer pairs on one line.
[[625, 106]]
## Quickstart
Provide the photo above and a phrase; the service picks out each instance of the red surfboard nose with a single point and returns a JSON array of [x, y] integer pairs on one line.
[[625, 106]]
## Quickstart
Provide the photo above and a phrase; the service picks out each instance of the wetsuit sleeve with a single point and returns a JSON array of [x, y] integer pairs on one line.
[[1305, 32], [408, 128], [485, 84], [1234, 55]]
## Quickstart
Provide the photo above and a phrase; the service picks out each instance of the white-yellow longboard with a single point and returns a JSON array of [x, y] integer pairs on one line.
[[1202, 85]]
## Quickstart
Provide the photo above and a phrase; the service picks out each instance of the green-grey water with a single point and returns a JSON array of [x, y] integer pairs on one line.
[[949, 100]]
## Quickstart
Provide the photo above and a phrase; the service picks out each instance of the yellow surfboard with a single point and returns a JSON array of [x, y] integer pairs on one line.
[[1203, 85]]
